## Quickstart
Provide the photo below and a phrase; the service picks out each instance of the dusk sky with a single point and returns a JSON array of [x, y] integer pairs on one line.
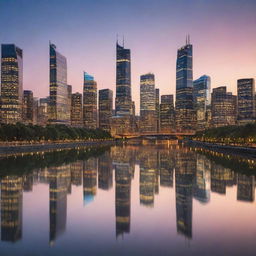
[[223, 34]]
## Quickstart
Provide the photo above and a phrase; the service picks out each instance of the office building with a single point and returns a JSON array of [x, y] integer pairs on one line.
[[59, 100], [148, 121], [246, 109], [76, 110], [11, 84], [202, 100], [105, 108], [185, 114], [27, 107], [89, 102], [224, 107], [167, 114]]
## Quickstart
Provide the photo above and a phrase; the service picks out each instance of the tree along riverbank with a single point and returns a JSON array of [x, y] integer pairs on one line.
[[240, 136], [34, 133], [27, 148]]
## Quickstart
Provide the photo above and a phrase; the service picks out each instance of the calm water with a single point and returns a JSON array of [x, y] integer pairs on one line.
[[127, 200]]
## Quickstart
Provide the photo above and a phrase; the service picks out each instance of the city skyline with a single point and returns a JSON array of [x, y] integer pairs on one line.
[[223, 60]]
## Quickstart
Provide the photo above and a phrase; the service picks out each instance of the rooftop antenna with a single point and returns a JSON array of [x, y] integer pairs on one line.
[[117, 38], [188, 39], [123, 40]]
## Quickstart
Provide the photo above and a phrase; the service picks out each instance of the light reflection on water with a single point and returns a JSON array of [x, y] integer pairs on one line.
[[126, 200]]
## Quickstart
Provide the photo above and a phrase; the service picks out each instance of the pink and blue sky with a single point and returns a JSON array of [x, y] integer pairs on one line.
[[223, 34]]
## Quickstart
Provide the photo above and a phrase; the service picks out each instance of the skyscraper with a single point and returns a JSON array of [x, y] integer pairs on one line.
[[185, 115], [58, 105], [148, 103], [123, 103], [11, 83], [105, 108], [76, 110], [27, 107], [224, 110], [202, 100], [246, 101], [167, 114], [157, 93], [90, 102]]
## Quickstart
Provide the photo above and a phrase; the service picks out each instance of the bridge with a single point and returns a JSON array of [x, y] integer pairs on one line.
[[155, 135]]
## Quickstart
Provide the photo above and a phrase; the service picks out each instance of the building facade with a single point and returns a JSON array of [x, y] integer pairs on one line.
[[185, 114], [157, 93], [167, 114], [123, 102], [59, 101], [89, 102], [148, 103], [246, 111], [27, 107], [76, 110], [202, 100], [105, 108], [224, 107], [11, 84]]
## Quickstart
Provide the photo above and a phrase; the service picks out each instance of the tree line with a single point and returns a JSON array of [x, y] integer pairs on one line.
[[243, 133], [22, 132]]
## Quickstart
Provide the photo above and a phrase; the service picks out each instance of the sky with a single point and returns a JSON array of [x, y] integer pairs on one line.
[[223, 34]]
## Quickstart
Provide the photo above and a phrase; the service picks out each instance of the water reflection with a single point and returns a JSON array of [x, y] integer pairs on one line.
[[190, 174]]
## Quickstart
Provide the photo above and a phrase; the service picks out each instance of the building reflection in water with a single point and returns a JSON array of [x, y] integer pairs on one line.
[[105, 171], [59, 178], [196, 176], [90, 179], [185, 170], [245, 188], [201, 191], [11, 208], [123, 161]]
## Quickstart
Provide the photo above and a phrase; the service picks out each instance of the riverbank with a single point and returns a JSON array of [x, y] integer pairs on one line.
[[234, 150], [6, 150]]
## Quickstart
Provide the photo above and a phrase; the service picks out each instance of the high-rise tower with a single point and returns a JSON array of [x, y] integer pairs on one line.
[[185, 115], [90, 102], [59, 100], [11, 83], [123, 103]]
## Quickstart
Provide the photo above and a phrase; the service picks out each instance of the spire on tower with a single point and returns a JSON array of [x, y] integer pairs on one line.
[[123, 40]]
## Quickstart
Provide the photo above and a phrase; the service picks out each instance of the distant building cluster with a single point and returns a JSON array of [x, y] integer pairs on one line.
[[195, 107]]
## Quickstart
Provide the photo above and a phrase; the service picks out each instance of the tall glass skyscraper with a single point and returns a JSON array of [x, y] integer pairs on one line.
[[59, 100], [11, 83], [90, 102], [148, 103], [105, 108], [246, 100], [202, 100], [185, 115], [123, 81]]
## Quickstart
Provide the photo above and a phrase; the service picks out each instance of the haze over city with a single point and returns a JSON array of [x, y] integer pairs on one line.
[[223, 34]]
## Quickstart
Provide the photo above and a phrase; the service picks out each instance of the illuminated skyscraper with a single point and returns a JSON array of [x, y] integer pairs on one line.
[[59, 93], [185, 114], [76, 110], [27, 107], [202, 100], [89, 102], [157, 93], [148, 103], [105, 108], [167, 114], [246, 101], [123, 103], [224, 107], [11, 83], [43, 110]]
